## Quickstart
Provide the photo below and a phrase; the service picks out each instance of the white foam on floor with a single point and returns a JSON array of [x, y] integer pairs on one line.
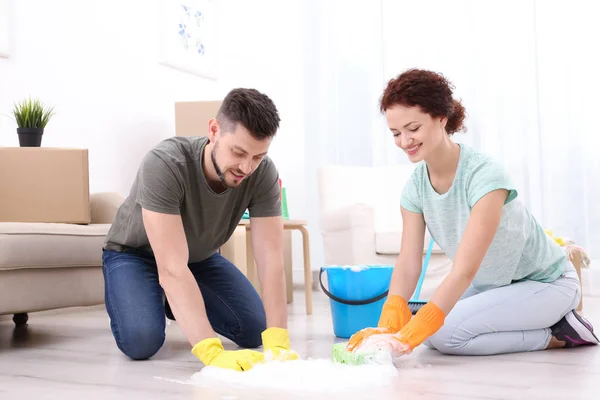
[[312, 375]]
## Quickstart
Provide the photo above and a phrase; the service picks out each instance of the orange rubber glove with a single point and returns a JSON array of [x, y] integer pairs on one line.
[[394, 316], [395, 313], [428, 320]]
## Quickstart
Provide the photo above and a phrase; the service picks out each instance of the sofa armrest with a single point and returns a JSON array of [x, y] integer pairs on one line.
[[104, 206]]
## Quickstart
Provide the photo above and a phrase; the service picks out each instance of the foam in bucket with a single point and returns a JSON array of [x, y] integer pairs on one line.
[[356, 283]]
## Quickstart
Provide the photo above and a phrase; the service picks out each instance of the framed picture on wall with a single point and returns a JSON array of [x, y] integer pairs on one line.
[[5, 25], [188, 36]]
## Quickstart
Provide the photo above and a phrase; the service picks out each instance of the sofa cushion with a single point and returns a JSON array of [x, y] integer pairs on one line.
[[42, 245], [389, 243]]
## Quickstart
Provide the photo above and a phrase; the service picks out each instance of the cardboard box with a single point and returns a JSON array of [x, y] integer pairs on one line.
[[191, 117], [44, 184]]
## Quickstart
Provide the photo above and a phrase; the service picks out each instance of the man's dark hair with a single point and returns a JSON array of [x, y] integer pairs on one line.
[[255, 111]]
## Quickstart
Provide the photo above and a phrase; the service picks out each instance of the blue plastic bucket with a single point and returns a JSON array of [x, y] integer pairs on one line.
[[357, 294]]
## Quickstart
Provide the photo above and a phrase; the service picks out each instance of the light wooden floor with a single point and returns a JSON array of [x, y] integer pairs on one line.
[[71, 355]]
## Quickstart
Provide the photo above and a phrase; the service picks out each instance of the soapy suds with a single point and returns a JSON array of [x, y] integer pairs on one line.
[[312, 375], [357, 268], [384, 347], [308, 377]]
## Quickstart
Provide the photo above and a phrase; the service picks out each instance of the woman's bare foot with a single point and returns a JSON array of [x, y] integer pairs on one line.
[[555, 343]]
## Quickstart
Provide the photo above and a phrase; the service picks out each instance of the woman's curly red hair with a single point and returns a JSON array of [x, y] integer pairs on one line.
[[430, 91]]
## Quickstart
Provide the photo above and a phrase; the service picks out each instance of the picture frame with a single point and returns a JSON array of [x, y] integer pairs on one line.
[[188, 36], [5, 28]]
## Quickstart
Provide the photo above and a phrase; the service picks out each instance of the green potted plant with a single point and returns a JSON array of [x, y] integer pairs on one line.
[[31, 117]]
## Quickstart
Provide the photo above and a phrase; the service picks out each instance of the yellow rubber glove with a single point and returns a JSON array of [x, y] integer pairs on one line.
[[276, 343], [211, 352], [394, 316]]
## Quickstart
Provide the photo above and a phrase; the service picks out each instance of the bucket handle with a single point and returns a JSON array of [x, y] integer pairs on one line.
[[381, 296], [349, 302]]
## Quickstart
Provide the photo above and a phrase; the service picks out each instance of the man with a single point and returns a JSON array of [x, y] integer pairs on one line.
[[161, 253]]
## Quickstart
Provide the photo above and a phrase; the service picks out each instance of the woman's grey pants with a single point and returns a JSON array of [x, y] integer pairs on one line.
[[508, 319]]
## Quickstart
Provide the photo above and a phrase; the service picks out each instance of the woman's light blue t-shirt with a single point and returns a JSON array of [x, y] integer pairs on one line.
[[520, 250]]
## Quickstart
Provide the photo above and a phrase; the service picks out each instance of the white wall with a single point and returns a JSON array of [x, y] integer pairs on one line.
[[263, 44], [96, 62]]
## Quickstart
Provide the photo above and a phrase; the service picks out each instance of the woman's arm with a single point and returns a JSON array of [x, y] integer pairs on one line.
[[477, 238], [479, 233], [409, 262]]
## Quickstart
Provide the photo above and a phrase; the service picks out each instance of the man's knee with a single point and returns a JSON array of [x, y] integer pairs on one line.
[[250, 336], [140, 344]]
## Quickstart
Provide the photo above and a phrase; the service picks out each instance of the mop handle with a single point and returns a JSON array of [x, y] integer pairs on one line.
[[422, 277]]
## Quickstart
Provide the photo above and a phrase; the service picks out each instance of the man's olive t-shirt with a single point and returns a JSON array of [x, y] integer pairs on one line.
[[171, 180]]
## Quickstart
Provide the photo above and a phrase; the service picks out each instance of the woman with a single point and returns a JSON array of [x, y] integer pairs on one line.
[[511, 287]]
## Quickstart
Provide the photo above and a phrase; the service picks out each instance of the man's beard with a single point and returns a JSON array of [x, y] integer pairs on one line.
[[220, 174]]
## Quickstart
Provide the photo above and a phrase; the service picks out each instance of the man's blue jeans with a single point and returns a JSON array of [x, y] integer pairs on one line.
[[137, 306]]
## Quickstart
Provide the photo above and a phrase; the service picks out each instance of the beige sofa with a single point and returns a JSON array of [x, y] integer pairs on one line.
[[47, 266]]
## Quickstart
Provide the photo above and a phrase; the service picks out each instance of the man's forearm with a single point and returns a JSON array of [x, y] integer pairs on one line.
[[187, 304], [272, 282]]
